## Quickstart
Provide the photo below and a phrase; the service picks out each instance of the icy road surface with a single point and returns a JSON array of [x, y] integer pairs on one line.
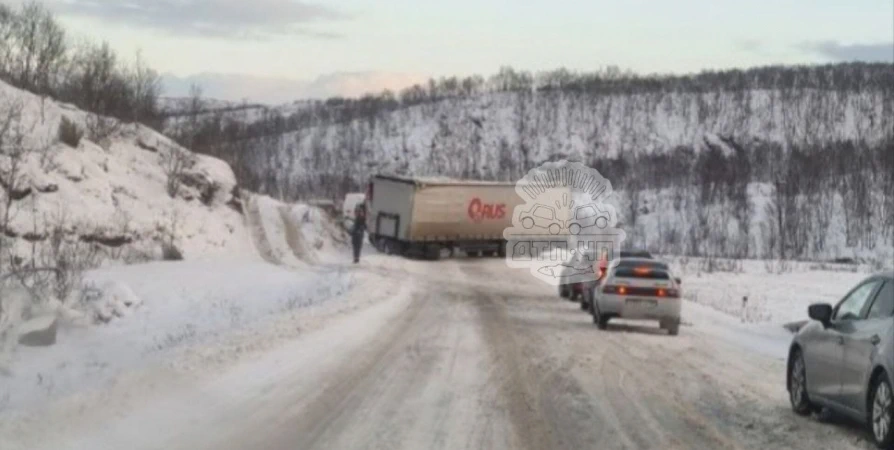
[[458, 354]]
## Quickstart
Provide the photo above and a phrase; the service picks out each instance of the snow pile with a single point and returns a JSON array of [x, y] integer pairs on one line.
[[326, 239], [112, 300], [115, 193], [294, 235]]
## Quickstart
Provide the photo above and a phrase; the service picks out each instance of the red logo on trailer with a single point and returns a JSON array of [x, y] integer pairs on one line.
[[480, 211]]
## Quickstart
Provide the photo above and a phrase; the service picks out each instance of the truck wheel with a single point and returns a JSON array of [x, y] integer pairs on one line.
[[432, 252]]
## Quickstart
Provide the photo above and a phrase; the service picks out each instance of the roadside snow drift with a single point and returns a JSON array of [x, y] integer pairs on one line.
[[293, 235], [171, 307]]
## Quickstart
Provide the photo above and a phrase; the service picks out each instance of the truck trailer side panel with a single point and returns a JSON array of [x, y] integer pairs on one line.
[[462, 211]]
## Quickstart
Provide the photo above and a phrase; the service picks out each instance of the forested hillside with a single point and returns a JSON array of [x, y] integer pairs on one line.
[[799, 160]]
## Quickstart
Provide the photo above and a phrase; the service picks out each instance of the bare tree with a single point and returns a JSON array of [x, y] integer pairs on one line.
[[39, 48], [145, 87]]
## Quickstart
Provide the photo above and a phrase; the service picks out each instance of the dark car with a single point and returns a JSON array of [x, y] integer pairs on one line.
[[844, 358]]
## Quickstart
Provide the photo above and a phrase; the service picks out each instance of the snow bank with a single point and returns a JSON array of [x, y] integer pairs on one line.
[[173, 307], [774, 297], [294, 235]]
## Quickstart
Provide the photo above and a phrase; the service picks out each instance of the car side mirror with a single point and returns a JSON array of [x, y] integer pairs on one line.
[[821, 312], [678, 280]]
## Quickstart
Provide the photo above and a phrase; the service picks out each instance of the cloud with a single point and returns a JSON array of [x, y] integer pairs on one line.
[[217, 18], [234, 87], [880, 52]]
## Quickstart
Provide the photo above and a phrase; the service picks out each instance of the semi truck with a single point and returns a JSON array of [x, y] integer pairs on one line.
[[429, 217]]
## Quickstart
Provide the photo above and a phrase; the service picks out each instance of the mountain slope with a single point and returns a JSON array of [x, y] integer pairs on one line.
[[115, 195]]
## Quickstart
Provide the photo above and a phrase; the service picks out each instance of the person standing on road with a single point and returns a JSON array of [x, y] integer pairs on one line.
[[358, 230]]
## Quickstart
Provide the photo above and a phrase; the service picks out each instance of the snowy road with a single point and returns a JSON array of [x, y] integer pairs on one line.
[[460, 354]]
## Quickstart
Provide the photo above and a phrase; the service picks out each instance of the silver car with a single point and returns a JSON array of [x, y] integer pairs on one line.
[[843, 359]]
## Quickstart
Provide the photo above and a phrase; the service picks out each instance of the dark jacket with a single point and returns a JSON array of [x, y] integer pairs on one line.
[[359, 227]]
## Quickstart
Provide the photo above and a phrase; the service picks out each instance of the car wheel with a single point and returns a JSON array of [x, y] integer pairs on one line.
[[527, 223], [673, 328], [555, 228], [574, 228], [882, 412], [563, 291], [797, 385]]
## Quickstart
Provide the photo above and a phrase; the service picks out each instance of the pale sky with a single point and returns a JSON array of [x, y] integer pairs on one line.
[[342, 46]]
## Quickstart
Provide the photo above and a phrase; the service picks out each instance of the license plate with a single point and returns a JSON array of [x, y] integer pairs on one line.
[[642, 301]]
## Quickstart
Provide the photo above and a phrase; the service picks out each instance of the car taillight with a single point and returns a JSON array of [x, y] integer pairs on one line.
[[670, 293], [620, 290]]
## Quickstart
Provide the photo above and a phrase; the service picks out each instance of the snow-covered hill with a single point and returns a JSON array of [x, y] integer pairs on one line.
[[496, 135], [115, 194]]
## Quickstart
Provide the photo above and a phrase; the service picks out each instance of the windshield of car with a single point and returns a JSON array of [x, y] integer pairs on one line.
[[851, 308], [883, 307]]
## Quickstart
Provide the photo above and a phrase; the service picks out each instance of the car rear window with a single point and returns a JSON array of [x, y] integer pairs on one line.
[[626, 264], [649, 274]]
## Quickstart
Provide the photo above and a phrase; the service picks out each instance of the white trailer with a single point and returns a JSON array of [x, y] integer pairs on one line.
[[425, 216]]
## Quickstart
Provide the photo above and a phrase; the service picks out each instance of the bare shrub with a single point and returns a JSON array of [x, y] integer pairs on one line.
[[170, 252], [69, 257], [175, 162], [101, 129], [168, 236], [70, 133]]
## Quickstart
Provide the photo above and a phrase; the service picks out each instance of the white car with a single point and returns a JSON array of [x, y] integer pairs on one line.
[[637, 289]]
